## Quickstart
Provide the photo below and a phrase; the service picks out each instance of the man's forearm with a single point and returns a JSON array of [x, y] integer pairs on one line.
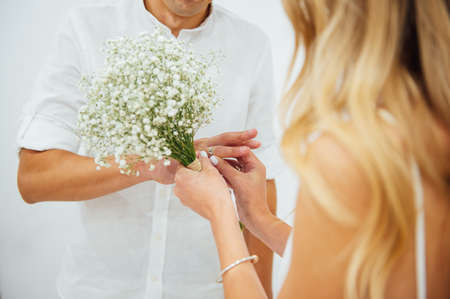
[[256, 246], [58, 175]]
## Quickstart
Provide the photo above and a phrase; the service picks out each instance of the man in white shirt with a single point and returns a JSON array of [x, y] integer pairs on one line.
[[139, 241]]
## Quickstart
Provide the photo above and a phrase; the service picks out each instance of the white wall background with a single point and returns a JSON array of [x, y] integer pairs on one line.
[[32, 237]]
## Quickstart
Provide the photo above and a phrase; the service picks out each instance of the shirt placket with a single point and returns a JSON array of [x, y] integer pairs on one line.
[[158, 242]]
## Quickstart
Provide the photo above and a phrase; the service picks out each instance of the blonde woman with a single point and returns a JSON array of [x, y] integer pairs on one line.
[[368, 135]]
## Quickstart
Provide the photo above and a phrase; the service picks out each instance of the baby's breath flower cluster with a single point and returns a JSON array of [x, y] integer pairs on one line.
[[148, 102]]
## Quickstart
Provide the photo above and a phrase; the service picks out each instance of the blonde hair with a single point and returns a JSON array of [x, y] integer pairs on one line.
[[361, 56]]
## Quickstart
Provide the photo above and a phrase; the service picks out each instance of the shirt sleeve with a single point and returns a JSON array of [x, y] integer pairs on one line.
[[261, 112], [49, 119]]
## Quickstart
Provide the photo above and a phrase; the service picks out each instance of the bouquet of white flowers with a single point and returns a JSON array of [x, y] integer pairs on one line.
[[148, 102]]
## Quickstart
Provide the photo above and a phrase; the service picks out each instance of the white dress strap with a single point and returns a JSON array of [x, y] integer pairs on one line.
[[421, 260], [421, 270]]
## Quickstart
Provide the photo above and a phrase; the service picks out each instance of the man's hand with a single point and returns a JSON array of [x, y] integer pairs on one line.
[[229, 145], [162, 174]]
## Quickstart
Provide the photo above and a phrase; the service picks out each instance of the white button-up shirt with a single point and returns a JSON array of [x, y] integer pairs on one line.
[[141, 242]]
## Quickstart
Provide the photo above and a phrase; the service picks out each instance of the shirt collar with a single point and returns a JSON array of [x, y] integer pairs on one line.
[[149, 18]]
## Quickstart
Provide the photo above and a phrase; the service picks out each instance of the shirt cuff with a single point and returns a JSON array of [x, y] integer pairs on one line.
[[271, 158], [40, 132]]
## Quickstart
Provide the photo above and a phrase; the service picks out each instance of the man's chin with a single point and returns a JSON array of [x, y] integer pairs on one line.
[[186, 13], [187, 8]]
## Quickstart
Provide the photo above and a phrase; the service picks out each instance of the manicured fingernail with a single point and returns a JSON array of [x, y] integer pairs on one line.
[[251, 131], [214, 160], [244, 148], [203, 154]]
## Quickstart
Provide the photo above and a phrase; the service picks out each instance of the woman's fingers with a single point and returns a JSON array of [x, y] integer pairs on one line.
[[235, 164], [206, 163], [250, 162], [229, 172]]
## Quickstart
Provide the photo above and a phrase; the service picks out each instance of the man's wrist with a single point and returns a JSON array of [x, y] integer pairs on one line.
[[144, 173]]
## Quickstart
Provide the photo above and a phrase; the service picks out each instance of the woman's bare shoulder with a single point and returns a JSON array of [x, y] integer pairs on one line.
[[321, 244]]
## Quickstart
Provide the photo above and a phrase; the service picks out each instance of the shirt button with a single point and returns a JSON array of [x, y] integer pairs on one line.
[[158, 237], [154, 278]]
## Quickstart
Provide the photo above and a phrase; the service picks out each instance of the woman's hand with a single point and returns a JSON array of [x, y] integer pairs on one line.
[[226, 145], [247, 177], [205, 192]]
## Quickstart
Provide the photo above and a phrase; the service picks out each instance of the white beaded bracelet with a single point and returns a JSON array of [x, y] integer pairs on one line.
[[253, 258]]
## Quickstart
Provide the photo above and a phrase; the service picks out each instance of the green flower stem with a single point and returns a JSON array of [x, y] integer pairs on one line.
[[182, 148]]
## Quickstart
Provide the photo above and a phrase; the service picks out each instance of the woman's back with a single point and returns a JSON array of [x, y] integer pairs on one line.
[[437, 243], [407, 274], [423, 270]]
